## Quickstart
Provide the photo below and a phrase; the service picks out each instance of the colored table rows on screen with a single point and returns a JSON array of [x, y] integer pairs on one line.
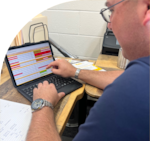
[[40, 52], [29, 62]]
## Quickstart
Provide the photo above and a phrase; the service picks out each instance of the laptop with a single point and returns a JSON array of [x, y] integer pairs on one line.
[[27, 68]]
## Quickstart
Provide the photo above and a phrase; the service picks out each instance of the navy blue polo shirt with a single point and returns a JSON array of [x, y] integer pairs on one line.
[[122, 112]]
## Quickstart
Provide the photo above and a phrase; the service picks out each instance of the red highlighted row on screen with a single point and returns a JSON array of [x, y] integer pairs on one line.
[[18, 74], [12, 58], [42, 53]]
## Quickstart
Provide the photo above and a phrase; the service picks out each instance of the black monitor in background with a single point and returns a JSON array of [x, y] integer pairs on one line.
[[111, 45]]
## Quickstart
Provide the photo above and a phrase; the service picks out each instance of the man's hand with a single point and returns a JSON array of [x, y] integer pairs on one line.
[[48, 92], [63, 68]]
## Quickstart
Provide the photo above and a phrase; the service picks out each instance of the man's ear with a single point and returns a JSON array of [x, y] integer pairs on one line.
[[147, 17]]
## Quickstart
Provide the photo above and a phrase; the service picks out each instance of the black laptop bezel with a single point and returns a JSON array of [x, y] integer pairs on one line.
[[22, 46]]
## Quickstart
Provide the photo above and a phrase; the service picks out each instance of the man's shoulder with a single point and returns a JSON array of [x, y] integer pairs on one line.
[[136, 72], [142, 63], [133, 83]]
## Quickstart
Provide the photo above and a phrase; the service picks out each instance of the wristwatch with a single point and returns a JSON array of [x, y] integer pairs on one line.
[[39, 104], [77, 73]]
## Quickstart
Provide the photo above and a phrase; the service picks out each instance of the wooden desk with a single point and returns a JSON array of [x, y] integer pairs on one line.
[[62, 111], [107, 62]]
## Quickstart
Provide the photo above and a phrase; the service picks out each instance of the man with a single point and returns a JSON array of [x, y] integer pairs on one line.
[[122, 112]]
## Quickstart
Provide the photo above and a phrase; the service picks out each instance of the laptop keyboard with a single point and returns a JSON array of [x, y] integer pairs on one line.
[[58, 81]]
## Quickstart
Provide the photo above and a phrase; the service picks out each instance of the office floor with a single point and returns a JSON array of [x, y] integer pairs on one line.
[[70, 132]]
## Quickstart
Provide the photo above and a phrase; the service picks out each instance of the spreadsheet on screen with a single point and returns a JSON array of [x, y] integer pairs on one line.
[[29, 63]]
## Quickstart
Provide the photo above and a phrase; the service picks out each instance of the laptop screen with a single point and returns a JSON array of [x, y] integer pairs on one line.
[[29, 63]]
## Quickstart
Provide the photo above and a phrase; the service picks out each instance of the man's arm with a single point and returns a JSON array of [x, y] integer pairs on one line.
[[42, 127], [98, 79]]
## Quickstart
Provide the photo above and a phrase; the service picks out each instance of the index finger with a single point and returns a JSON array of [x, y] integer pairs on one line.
[[55, 63]]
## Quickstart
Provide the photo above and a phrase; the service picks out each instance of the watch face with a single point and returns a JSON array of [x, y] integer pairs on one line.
[[37, 104]]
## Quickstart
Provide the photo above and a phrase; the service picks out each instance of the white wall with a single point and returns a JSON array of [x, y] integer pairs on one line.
[[78, 27]]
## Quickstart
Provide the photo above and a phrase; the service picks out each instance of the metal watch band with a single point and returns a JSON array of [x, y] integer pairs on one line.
[[77, 73], [48, 104]]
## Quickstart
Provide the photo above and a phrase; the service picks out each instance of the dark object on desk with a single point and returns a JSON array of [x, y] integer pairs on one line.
[[110, 44], [27, 67]]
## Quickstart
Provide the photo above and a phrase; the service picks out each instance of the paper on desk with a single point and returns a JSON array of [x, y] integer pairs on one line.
[[83, 65], [88, 66], [71, 61], [14, 120]]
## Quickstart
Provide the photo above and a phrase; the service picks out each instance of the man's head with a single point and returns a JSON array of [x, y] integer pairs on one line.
[[130, 22]]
